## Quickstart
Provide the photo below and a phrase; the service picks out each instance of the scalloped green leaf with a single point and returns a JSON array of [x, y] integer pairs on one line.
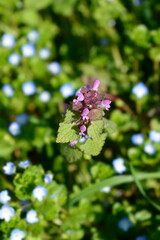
[[109, 126], [72, 154], [66, 133]]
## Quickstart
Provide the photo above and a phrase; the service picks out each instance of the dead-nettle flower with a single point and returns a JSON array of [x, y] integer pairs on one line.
[[89, 103], [73, 143]]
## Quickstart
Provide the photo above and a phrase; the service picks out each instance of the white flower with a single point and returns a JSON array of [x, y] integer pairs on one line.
[[118, 165], [4, 197], [39, 192], [45, 96], [6, 212], [9, 168], [31, 217]]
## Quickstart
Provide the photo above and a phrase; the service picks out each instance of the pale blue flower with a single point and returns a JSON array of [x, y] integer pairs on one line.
[[154, 136], [14, 59], [29, 88], [9, 168], [83, 139], [118, 165], [28, 50], [149, 148], [106, 189], [22, 119], [4, 197], [137, 2], [39, 192], [44, 53], [24, 164], [31, 217], [17, 234], [45, 96], [125, 224], [48, 178], [140, 90], [33, 36], [6, 212], [8, 40], [104, 41], [19, 4], [8, 90], [54, 67], [112, 23], [14, 128], [137, 139], [143, 237], [54, 195], [67, 90]]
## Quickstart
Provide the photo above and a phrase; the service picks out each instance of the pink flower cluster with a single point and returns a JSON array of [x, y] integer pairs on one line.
[[89, 103]]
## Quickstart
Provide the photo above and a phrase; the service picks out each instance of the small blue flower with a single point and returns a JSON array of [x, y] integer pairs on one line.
[[9, 168], [14, 59], [29, 88], [143, 237], [140, 90], [28, 50], [39, 192], [4, 197], [8, 40], [112, 23], [24, 164], [137, 139], [6, 212], [33, 36], [150, 148], [137, 2], [48, 178], [44, 53], [54, 195], [14, 128], [17, 234], [125, 224], [83, 139], [104, 41], [118, 165], [8, 90], [106, 189], [31, 217], [45, 96], [22, 119], [54, 67], [67, 90], [154, 136]]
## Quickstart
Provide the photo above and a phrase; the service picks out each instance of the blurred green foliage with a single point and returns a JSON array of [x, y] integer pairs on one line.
[[117, 42]]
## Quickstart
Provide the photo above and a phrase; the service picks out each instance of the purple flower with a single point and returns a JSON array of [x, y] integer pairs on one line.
[[105, 104], [83, 129], [73, 143], [66, 105], [80, 98], [85, 113], [96, 85]]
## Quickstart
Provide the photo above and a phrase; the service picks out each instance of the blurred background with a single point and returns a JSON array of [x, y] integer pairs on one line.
[[48, 50]]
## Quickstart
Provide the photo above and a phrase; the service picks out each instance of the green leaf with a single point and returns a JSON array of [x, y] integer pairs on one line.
[[109, 126], [70, 117], [72, 154], [94, 146], [67, 129], [95, 129], [113, 181], [40, 4], [139, 186], [66, 133]]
